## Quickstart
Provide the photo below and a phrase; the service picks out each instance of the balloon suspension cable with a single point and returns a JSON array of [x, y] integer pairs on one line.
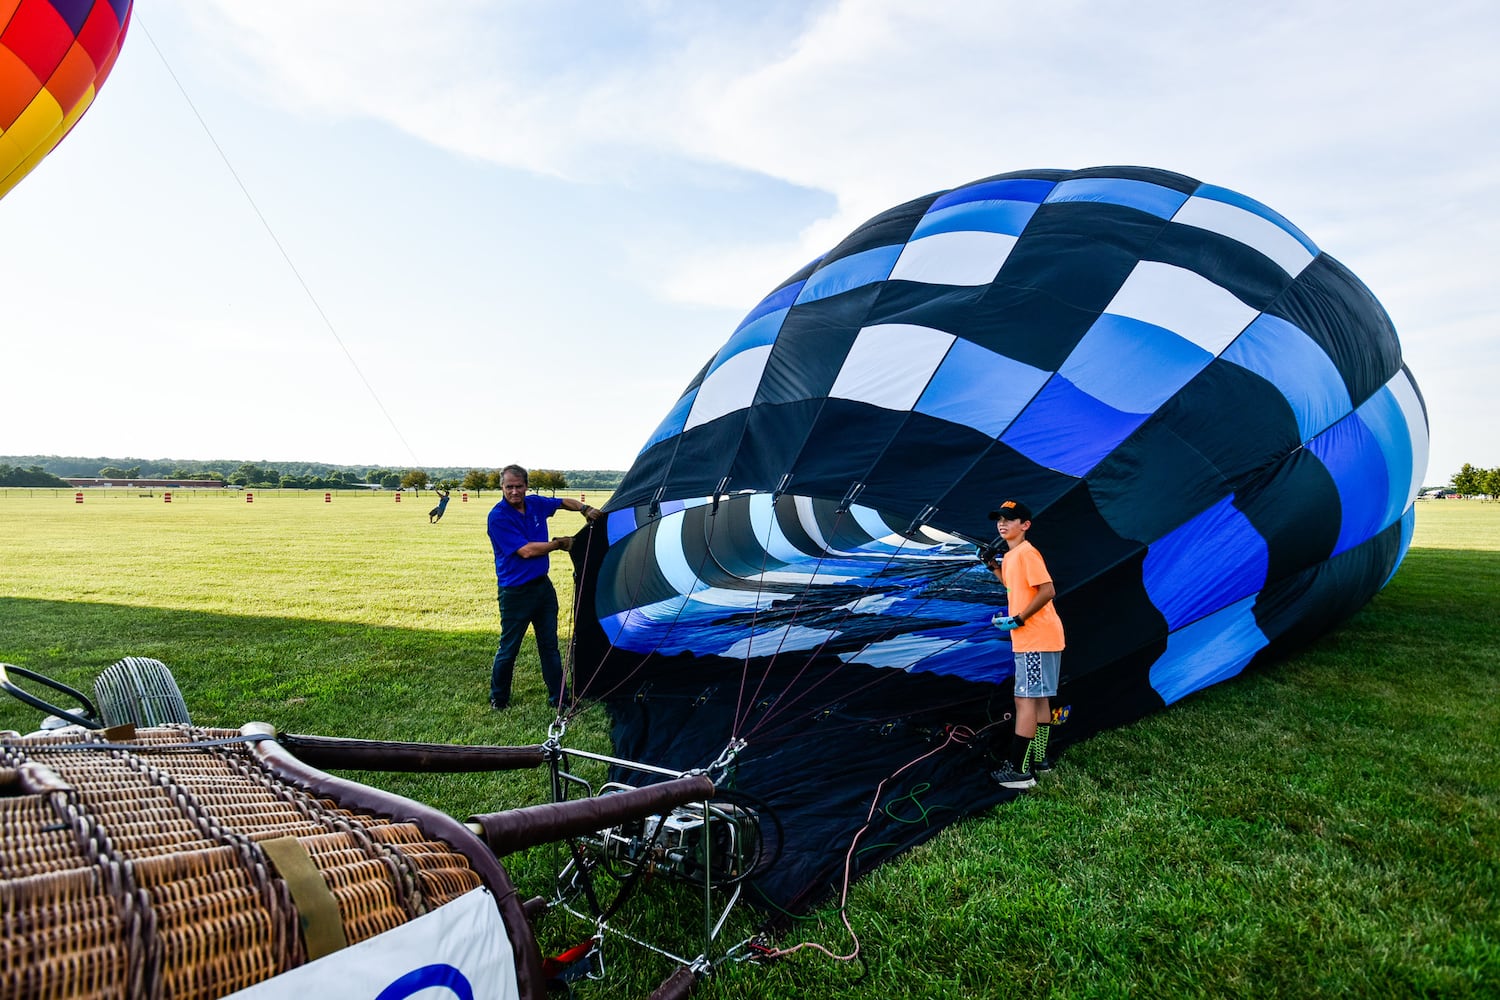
[[852, 495], [717, 770], [769, 734], [923, 516], [287, 257], [963, 567], [573, 705], [655, 525], [742, 713], [777, 707], [720, 492], [741, 707]]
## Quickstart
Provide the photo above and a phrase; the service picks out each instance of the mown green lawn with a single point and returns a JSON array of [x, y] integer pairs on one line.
[[1329, 826]]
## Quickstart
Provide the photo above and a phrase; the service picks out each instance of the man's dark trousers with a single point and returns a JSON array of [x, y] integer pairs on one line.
[[528, 604]]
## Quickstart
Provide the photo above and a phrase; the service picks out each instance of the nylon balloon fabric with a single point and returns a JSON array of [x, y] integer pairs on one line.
[[54, 57], [1209, 416]]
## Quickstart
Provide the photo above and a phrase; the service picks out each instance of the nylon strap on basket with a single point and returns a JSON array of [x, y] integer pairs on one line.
[[318, 911]]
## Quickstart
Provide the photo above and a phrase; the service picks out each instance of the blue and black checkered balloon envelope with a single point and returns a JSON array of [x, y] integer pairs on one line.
[[1209, 416]]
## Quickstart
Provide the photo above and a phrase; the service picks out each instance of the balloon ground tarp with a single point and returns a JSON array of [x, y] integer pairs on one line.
[[1209, 416]]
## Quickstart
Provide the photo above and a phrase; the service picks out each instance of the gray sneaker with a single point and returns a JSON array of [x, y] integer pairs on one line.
[[1006, 778]]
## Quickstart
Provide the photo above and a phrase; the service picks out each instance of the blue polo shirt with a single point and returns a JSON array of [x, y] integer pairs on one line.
[[510, 529]]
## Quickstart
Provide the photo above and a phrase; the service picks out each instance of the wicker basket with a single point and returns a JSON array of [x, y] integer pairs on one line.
[[132, 865]]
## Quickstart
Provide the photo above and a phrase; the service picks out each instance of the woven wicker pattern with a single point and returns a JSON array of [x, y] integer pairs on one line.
[[135, 871]]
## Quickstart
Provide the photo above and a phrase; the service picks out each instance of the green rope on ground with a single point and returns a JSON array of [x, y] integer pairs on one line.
[[873, 847], [923, 813], [820, 915]]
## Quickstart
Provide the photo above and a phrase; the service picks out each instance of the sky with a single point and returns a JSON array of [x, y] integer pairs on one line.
[[474, 232]]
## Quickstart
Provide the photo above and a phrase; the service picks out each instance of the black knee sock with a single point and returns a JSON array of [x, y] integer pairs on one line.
[[1017, 758]]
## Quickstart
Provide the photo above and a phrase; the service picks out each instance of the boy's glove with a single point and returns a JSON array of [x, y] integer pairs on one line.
[[1005, 622]]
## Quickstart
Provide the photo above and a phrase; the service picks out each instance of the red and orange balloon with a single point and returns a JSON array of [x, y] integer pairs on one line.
[[54, 57]]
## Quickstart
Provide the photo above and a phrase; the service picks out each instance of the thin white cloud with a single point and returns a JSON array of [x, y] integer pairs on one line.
[[1373, 126], [876, 101]]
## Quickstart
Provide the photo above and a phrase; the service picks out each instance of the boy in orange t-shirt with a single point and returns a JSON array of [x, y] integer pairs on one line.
[[1036, 638]]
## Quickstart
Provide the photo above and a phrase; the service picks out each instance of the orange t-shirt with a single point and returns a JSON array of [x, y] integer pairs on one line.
[[1023, 572]]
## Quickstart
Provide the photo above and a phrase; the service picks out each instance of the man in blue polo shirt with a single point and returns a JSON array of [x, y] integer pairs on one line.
[[518, 533]]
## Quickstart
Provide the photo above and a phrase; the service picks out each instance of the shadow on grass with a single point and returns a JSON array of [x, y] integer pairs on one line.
[[316, 677], [332, 678]]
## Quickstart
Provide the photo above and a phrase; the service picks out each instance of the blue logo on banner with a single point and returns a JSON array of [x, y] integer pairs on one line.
[[428, 977]]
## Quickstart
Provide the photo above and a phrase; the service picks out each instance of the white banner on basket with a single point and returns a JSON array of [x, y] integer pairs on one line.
[[459, 951]]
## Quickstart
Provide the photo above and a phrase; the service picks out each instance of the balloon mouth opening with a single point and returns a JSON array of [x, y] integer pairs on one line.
[[758, 577]]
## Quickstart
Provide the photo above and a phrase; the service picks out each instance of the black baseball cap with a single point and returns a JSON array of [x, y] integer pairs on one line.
[[1011, 510]]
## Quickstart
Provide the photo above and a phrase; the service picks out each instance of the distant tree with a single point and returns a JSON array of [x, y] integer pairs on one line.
[[476, 480], [595, 479], [32, 476], [415, 479], [115, 472], [1469, 480], [548, 479], [492, 479], [250, 474], [1490, 485]]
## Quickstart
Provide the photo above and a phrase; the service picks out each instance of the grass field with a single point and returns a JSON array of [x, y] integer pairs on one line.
[[1329, 826]]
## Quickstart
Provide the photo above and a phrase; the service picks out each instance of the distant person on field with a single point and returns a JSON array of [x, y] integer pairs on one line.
[[1036, 633], [518, 534], [436, 514]]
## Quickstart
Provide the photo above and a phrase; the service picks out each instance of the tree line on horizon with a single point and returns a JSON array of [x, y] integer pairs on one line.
[[52, 471], [48, 471], [1474, 481]]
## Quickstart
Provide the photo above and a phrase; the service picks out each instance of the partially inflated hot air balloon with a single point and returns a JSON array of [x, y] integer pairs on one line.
[[54, 57], [1210, 417]]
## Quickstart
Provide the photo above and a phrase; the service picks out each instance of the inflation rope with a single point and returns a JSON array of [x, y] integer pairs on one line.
[[327, 323]]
